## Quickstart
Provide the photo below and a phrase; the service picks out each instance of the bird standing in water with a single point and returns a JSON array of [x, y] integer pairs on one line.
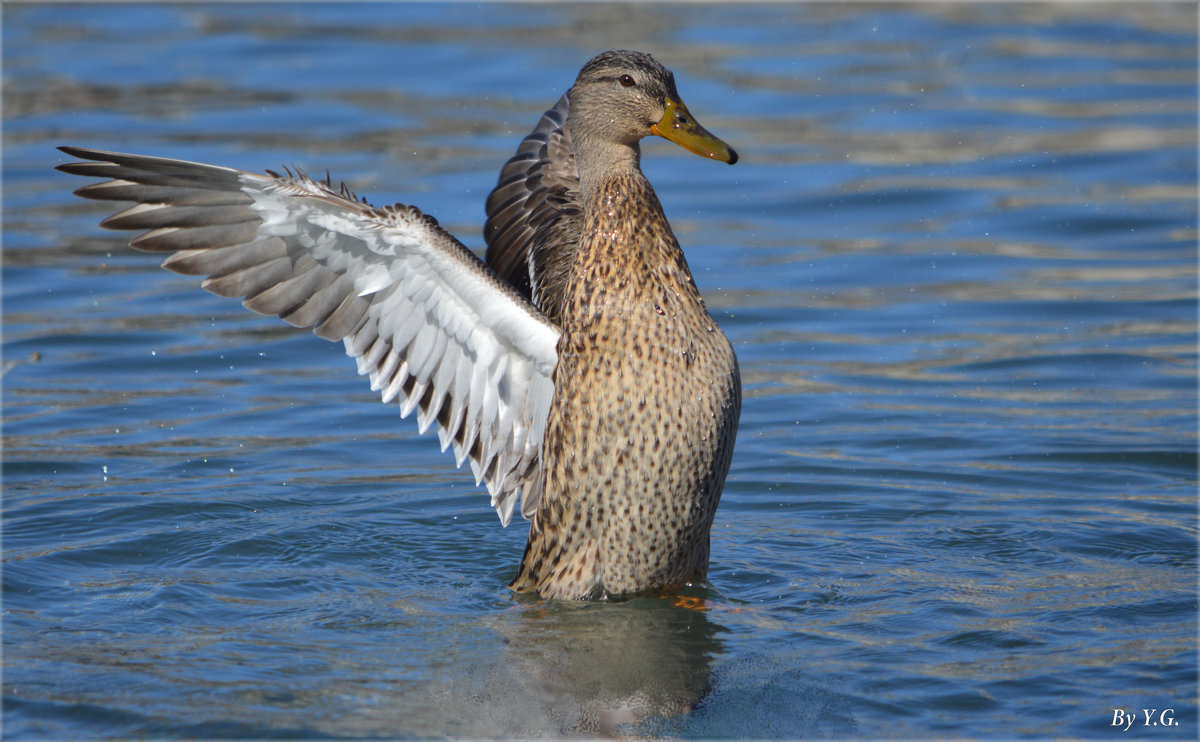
[[577, 370]]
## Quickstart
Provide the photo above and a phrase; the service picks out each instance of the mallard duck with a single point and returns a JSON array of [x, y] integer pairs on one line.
[[576, 370]]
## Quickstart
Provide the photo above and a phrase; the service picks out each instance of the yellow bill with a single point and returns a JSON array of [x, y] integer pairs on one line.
[[679, 126]]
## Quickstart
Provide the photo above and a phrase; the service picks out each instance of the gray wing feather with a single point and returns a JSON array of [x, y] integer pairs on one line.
[[533, 213], [428, 322]]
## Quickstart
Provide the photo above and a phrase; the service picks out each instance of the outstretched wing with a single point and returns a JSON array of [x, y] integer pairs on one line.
[[429, 323], [534, 216]]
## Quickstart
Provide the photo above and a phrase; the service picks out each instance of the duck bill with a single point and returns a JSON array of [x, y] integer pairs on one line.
[[679, 126]]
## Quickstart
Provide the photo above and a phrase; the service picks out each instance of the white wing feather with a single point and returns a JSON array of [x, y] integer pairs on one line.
[[429, 323]]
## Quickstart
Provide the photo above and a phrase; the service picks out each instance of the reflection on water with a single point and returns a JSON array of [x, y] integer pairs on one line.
[[957, 261], [593, 668]]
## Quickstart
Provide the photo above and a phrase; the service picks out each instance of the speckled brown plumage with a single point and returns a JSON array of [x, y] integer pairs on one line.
[[578, 371], [647, 390]]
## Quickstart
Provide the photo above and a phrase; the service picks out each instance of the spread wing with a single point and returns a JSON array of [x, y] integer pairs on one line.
[[533, 213], [431, 325]]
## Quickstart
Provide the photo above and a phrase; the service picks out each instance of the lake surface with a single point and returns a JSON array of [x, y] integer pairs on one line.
[[957, 261]]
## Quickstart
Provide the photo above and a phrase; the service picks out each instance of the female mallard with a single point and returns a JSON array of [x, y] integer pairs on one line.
[[577, 370]]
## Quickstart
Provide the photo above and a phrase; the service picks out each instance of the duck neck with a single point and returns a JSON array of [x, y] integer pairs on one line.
[[627, 259], [601, 164]]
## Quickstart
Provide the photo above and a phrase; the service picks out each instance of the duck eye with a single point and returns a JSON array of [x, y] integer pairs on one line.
[[626, 81]]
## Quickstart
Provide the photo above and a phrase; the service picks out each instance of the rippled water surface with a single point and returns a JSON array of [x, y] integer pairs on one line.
[[958, 264]]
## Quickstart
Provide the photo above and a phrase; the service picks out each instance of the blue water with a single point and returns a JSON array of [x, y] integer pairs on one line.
[[958, 262]]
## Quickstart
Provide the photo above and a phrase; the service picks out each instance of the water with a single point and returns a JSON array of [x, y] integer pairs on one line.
[[958, 264]]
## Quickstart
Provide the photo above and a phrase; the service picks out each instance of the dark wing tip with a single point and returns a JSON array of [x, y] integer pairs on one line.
[[85, 153], [71, 168]]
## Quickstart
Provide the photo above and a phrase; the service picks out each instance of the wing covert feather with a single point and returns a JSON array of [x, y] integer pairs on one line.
[[428, 323], [533, 213]]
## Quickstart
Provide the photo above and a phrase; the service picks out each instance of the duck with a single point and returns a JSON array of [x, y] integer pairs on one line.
[[575, 367]]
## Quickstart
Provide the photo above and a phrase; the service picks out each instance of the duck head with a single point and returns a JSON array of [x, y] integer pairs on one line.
[[622, 96]]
